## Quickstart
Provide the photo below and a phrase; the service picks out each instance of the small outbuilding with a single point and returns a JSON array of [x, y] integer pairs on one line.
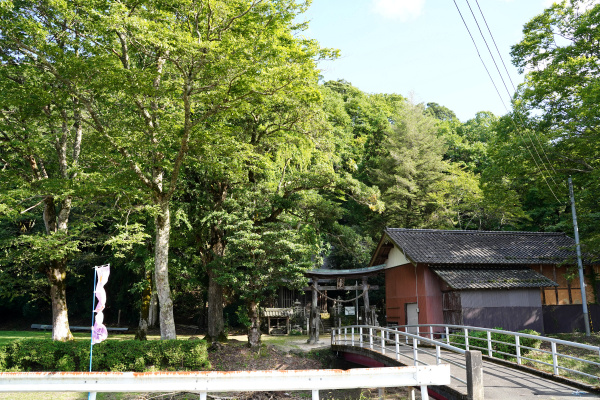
[[513, 280]]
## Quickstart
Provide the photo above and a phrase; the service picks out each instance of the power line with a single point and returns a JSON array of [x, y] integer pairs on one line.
[[500, 96], [511, 82], [488, 47], [477, 49], [507, 91], [495, 45]]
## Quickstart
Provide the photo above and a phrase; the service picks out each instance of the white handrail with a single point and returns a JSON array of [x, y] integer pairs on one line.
[[465, 332], [371, 332], [229, 381]]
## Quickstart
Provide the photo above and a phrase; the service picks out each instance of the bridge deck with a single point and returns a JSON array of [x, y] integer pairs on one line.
[[500, 382]]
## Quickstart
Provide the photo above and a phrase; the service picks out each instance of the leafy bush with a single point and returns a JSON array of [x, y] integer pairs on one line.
[[111, 355], [478, 340], [3, 357]]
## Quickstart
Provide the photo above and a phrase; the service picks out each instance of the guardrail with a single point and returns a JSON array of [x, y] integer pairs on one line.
[[390, 340], [231, 381], [465, 334]]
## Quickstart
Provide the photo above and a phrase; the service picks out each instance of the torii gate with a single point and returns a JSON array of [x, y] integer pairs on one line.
[[339, 275]]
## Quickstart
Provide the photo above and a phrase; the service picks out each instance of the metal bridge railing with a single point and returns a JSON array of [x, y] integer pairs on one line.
[[393, 341], [463, 337], [230, 381]]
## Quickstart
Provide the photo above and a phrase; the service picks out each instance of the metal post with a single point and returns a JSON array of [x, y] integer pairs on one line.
[[412, 394], [586, 318], [360, 336], [466, 339], [203, 395], [397, 347], [447, 336], [371, 338], [352, 333], [415, 354], [424, 393], [382, 342], [431, 332], [489, 340], [315, 395], [437, 355], [518, 348], [554, 358]]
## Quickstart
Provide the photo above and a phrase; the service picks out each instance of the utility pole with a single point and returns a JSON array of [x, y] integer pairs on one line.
[[586, 318]]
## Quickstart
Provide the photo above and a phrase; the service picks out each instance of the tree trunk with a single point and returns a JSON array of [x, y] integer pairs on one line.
[[254, 329], [153, 317], [161, 265], [314, 316], [216, 324], [142, 331], [57, 270], [57, 273]]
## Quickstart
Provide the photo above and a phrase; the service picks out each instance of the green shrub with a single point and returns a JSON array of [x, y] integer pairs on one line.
[[478, 340], [111, 355], [3, 357]]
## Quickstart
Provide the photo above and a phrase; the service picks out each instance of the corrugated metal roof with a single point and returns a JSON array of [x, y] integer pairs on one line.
[[483, 247], [471, 277]]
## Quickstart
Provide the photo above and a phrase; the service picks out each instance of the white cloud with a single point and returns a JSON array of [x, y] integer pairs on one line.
[[399, 9]]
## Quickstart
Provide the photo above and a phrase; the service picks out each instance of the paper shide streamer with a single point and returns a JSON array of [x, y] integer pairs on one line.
[[99, 332]]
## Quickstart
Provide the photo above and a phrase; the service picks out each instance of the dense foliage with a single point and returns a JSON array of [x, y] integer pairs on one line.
[[192, 146]]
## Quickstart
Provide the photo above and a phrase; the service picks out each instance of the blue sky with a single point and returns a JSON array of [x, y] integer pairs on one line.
[[421, 49]]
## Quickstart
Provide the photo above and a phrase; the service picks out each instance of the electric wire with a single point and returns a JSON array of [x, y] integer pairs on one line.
[[501, 99], [495, 45], [488, 47], [511, 82], [509, 95], [477, 49]]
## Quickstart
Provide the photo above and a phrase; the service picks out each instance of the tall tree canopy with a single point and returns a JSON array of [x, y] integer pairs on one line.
[[149, 78], [557, 114]]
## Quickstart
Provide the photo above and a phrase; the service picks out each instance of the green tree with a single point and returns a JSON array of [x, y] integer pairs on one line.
[[440, 112], [560, 55], [150, 77], [467, 142], [557, 116], [410, 169], [261, 257], [41, 141]]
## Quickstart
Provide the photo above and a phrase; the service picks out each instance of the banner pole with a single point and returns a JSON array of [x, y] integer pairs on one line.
[[92, 395], [93, 314]]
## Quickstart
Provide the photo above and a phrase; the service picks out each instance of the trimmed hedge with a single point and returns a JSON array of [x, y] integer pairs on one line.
[[110, 355], [509, 345]]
